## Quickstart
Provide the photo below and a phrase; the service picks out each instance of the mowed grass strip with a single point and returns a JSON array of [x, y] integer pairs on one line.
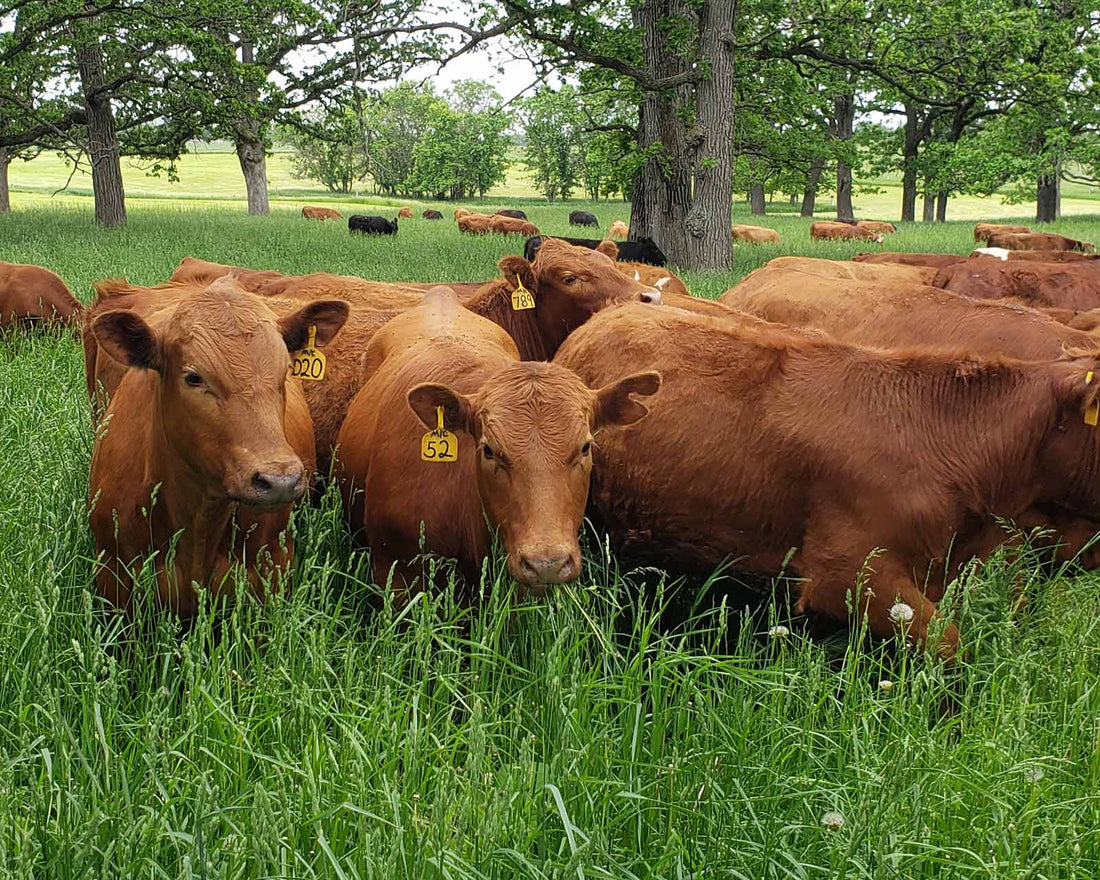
[[329, 735]]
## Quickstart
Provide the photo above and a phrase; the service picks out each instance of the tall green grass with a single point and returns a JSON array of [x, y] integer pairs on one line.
[[328, 734]]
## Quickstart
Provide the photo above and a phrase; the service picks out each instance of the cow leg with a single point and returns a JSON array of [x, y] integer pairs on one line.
[[888, 597]]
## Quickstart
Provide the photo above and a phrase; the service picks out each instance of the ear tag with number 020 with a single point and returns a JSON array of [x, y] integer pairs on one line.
[[309, 363], [522, 298], [1092, 412], [440, 444]]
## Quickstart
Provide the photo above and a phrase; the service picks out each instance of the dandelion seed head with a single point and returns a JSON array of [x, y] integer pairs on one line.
[[833, 821]]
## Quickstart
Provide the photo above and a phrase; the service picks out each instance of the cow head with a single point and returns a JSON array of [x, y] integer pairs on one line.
[[534, 425], [1070, 453], [570, 284], [222, 362]]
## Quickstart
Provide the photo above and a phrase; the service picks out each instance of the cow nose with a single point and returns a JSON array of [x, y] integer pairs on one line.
[[651, 296], [558, 569], [275, 489]]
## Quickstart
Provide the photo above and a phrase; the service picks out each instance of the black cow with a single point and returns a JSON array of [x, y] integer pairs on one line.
[[582, 218], [432, 214], [512, 212], [644, 250], [372, 225]]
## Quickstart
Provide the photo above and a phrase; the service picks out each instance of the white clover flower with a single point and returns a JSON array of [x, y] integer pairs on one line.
[[886, 685], [833, 821], [901, 613], [1034, 774], [779, 632]]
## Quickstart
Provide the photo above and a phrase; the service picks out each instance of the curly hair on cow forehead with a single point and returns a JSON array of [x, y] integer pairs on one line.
[[222, 309], [532, 390]]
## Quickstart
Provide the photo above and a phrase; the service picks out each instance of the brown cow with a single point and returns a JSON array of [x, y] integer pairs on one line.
[[982, 231], [1073, 285], [405, 213], [206, 444], [853, 270], [312, 212], [524, 434], [1038, 241], [475, 224], [935, 261], [877, 226], [753, 234], [618, 229], [461, 212], [827, 230], [503, 225], [31, 294], [848, 468], [654, 276]]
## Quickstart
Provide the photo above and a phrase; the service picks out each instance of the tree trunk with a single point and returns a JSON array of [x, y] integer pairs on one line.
[[1046, 200], [809, 195], [5, 196], [845, 110], [103, 149], [684, 191], [909, 164], [756, 198], [248, 139], [929, 207], [794, 200], [941, 207]]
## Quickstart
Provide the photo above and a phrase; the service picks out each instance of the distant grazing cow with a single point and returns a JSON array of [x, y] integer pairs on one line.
[[582, 218], [827, 230], [371, 225], [311, 212], [936, 261], [31, 294], [982, 231], [856, 472], [475, 224], [514, 213], [511, 226], [753, 234], [206, 444], [644, 250], [877, 226], [1038, 241], [1073, 285], [524, 435], [618, 230], [405, 213], [432, 214]]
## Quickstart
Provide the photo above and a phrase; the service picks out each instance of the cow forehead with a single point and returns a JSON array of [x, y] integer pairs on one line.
[[536, 400], [554, 254]]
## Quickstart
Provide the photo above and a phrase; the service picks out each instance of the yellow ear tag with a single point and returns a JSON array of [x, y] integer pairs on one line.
[[440, 444], [1092, 412], [309, 363], [522, 298]]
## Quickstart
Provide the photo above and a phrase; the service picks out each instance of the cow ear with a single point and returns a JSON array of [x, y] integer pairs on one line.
[[515, 268], [327, 315], [128, 339], [614, 405], [608, 248], [458, 414]]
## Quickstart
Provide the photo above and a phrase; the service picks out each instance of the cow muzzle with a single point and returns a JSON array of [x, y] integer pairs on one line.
[[651, 295], [544, 566], [270, 490]]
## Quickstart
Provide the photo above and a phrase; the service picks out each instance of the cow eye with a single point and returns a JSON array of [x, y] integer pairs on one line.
[[192, 380], [587, 448], [487, 451], [569, 279]]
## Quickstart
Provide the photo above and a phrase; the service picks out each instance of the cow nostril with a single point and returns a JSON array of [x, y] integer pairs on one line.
[[277, 488], [548, 569], [261, 483], [653, 297]]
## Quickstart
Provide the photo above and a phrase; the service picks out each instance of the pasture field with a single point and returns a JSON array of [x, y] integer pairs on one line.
[[328, 735]]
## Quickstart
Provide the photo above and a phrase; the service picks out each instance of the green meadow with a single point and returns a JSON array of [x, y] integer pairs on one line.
[[328, 734]]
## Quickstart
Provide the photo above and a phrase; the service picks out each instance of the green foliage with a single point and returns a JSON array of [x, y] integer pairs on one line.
[[330, 151]]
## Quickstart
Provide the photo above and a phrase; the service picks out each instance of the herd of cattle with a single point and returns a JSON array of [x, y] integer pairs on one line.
[[862, 425]]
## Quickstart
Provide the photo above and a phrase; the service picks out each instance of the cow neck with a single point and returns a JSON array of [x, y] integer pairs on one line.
[[203, 515], [494, 301]]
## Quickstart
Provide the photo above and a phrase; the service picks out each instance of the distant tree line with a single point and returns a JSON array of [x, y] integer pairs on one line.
[[677, 105]]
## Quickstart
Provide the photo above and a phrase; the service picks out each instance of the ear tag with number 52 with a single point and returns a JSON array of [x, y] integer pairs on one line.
[[522, 298], [309, 363], [440, 444], [1092, 412]]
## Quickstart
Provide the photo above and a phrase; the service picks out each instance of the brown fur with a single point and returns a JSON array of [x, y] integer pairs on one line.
[[935, 261], [405, 213], [855, 271], [619, 230], [1038, 241], [31, 294], [502, 225], [827, 230], [877, 226], [753, 234], [982, 231], [655, 277], [536, 419], [767, 442], [201, 451], [475, 224], [311, 212], [1074, 285]]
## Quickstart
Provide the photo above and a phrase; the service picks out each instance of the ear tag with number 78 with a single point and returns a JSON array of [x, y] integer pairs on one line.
[[440, 444], [522, 298]]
